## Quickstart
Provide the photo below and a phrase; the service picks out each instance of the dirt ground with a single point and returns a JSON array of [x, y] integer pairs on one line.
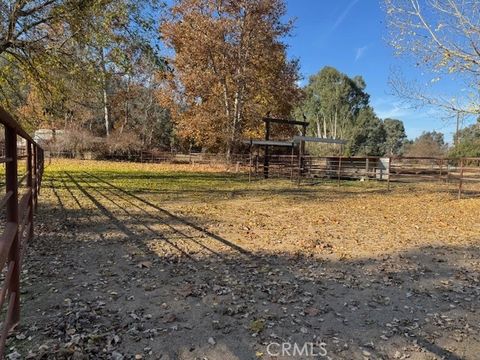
[[137, 261]]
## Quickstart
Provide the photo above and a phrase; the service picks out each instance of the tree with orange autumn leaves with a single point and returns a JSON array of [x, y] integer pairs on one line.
[[230, 68]]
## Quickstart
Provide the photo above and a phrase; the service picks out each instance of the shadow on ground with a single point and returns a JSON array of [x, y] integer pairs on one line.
[[113, 275]]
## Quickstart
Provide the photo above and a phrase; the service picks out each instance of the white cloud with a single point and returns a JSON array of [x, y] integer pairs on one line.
[[386, 107], [415, 120], [360, 52], [393, 111], [344, 14], [399, 110]]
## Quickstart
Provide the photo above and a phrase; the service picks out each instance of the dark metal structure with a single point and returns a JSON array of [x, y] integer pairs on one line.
[[300, 140], [268, 121], [19, 208]]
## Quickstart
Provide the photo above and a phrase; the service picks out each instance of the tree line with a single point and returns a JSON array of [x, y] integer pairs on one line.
[[123, 75]]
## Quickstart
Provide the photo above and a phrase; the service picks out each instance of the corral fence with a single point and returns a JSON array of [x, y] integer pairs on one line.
[[23, 163], [463, 172], [238, 162]]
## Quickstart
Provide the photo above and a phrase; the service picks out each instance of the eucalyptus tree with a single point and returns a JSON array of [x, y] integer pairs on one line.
[[332, 103], [467, 141], [395, 136], [368, 137], [121, 36]]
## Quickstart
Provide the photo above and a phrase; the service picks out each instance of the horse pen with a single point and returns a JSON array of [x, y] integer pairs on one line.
[[187, 261], [460, 174], [197, 258]]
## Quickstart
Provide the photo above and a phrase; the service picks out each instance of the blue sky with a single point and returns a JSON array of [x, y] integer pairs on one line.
[[350, 36]]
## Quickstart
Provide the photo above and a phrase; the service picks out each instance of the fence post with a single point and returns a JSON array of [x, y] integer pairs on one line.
[[11, 184], [250, 163], [39, 169], [42, 162], [292, 163], [266, 159], [441, 169], [339, 170], [30, 188], [367, 169], [35, 176], [447, 179], [300, 165], [389, 172], [460, 183]]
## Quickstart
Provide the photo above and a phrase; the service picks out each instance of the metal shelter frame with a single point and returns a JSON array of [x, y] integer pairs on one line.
[[301, 140]]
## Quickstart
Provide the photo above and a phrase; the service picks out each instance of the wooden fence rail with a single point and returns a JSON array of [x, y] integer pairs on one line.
[[19, 208]]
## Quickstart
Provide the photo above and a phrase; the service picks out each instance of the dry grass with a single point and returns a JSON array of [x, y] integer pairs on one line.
[[346, 222], [357, 219]]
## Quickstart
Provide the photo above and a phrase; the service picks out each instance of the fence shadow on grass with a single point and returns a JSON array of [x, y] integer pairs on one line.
[[215, 188]]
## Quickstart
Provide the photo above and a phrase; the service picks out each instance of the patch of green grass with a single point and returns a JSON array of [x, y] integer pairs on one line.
[[193, 183], [144, 177]]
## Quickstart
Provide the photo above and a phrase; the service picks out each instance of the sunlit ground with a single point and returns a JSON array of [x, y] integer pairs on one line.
[[192, 262]]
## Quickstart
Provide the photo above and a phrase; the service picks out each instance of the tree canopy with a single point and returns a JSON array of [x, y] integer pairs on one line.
[[95, 69], [230, 68], [83, 66], [428, 144], [395, 136], [332, 103], [337, 106], [368, 135], [467, 142]]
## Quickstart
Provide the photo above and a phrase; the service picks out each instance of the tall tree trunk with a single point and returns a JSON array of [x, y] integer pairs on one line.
[[329, 126], [324, 127], [237, 118], [242, 56], [227, 114], [335, 126], [234, 125], [127, 98], [223, 81], [106, 113]]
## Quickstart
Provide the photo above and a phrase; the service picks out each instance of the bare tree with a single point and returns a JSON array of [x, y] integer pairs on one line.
[[443, 37]]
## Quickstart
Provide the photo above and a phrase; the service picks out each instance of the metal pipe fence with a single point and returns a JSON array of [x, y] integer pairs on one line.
[[462, 172], [19, 203], [156, 157], [317, 167]]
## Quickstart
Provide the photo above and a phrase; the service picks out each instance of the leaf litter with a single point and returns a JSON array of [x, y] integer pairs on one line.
[[205, 275]]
